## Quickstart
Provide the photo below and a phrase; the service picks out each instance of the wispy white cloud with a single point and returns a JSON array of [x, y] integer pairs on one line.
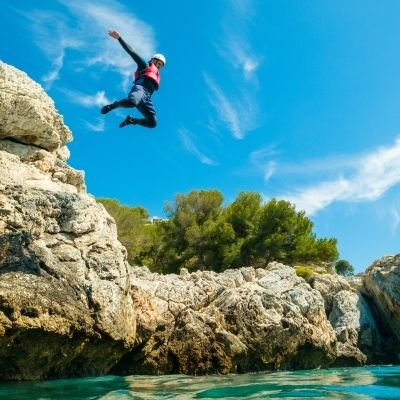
[[239, 116], [226, 111], [395, 218], [102, 15], [86, 100], [86, 33], [53, 74], [237, 104], [54, 37], [234, 46], [269, 170], [262, 160], [257, 157], [238, 53], [189, 145], [99, 126], [361, 178]]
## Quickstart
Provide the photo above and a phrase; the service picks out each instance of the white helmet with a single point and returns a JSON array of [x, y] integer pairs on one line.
[[160, 57]]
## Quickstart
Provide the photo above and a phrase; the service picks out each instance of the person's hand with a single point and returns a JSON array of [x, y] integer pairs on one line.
[[114, 34]]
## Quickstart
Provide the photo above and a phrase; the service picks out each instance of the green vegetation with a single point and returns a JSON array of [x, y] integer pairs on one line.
[[344, 268], [201, 234], [134, 231], [304, 272]]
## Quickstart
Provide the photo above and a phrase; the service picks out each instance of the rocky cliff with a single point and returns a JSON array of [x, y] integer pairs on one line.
[[70, 305], [64, 284]]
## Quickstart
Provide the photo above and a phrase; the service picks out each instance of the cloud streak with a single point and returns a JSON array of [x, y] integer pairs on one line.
[[226, 111], [85, 100], [237, 52], [239, 117], [262, 160], [395, 217], [189, 145], [235, 47], [95, 127], [55, 34], [236, 108], [365, 178]]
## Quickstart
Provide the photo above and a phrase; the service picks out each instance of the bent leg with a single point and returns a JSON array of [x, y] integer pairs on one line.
[[146, 108], [150, 121], [127, 121], [133, 99], [109, 107], [124, 103]]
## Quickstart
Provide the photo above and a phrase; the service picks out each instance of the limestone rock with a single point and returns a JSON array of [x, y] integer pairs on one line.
[[27, 114], [382, 282], [359, 340], [236, 321], [329, 285], [355, 328], [65, 307]]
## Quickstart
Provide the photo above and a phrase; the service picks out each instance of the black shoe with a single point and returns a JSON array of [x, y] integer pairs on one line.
[[127, 121], [109, 108]]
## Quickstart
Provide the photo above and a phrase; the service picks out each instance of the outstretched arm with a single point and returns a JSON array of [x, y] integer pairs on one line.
[[142, 64]]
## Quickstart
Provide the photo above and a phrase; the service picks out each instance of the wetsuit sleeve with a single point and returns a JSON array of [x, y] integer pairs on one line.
[[142, 64]]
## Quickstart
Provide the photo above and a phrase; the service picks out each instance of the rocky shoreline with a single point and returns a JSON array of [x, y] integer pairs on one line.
[[70, 305]]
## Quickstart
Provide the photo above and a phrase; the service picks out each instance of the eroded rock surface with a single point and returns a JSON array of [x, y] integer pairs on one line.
[[27, 114], [240, 320], [65, 307], [382, 282]]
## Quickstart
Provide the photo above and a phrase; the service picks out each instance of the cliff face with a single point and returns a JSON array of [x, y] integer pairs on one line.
[[237, 321], [250, 320], [64, 282], [70, 305], [382, 281]]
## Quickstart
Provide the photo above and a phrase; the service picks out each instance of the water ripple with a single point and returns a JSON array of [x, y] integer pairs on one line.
[[345, 383]]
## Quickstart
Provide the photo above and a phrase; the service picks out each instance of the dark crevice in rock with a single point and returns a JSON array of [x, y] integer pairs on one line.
[[389, 349], [26, 140], [35, 354], [15, 254]]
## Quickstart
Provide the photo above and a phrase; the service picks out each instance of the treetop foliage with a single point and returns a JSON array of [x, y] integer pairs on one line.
[[202, 234], [344, 268]]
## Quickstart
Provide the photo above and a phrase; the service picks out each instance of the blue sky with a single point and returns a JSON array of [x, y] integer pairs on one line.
[[297, 100]]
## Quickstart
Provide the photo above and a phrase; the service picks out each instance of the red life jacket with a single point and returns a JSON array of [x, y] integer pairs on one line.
[[150, 72]]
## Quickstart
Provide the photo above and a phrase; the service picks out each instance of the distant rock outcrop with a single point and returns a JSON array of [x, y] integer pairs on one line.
[[382, 282], [237, 321], [70, 305]]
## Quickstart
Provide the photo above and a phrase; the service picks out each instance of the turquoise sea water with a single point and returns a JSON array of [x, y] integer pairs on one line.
[[344, 383]]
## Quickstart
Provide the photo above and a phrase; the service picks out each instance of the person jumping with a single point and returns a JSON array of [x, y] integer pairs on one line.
[[147, 80]]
